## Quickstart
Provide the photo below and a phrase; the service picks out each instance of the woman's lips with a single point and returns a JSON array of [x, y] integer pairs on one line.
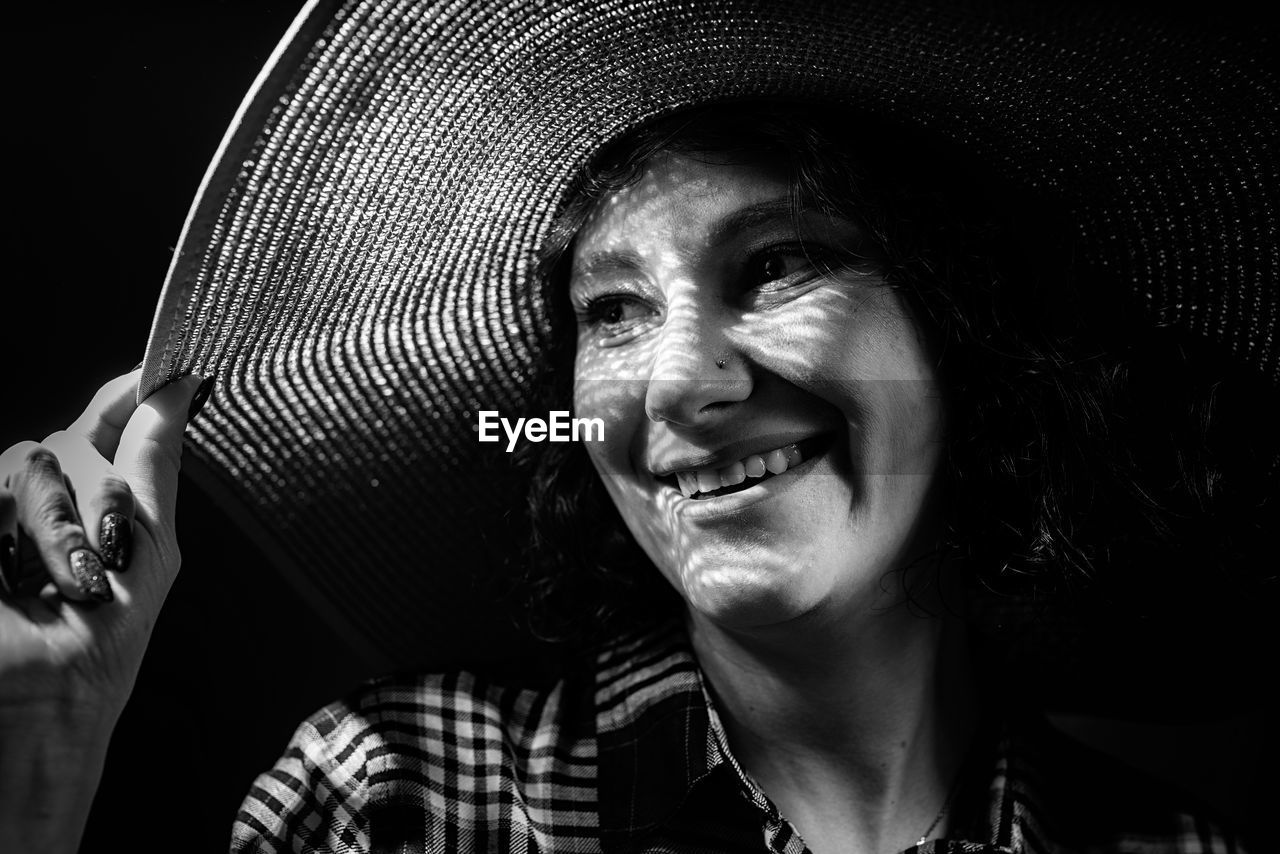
[[753, 469]]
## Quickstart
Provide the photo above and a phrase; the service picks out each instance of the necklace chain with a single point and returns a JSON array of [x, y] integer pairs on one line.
[[946, 802]]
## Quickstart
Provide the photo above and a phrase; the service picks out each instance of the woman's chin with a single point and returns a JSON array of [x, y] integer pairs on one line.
[[748, 598]]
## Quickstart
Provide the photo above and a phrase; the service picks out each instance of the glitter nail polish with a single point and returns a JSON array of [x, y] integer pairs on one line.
[[8, 564], [200, 398], [114, 541], [89, 574]]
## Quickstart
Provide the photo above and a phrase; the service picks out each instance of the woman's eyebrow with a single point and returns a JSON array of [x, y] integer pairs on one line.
[[608, 261], [763, 213]]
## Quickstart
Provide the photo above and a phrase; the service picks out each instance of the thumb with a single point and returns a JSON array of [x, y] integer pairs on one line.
[[150, 451]]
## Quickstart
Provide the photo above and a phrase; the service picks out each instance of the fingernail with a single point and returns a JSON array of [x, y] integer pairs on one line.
[[201, 397], [8, 563], [89, 575], [114, 540]]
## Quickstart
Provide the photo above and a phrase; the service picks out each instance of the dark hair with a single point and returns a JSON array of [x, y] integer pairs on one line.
[[1079, 436]]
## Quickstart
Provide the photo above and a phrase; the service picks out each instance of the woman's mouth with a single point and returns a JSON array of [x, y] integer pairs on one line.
[[745, 473]]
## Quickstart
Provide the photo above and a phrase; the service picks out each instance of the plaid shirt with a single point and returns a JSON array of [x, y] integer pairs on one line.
[[629, 755]]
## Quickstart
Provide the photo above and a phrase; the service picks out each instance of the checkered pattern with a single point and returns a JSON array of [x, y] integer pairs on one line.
[[628, 755]]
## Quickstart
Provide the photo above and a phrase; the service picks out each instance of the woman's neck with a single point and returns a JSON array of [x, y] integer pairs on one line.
[[856, 729]]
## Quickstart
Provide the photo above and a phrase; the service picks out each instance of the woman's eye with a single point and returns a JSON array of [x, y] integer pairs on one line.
[[613, 312], [777, 264], [772, 267]]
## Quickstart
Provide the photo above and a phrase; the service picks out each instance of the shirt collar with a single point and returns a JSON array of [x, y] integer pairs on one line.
[[658, 736], [652, 731]]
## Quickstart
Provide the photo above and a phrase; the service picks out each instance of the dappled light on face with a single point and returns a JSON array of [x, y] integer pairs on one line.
[[772, 418]]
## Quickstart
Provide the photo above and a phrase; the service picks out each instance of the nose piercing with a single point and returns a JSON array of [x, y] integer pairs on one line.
[[720, 363]]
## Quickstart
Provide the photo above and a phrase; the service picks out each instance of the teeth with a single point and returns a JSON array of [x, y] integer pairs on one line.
[[752, 466]]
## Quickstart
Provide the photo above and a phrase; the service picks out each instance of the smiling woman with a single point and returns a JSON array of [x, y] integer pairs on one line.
[[825, 346], [710, 263], [875, 315], [767, 288]]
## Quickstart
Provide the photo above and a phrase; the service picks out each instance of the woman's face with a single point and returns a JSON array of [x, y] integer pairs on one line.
[[772, 419]]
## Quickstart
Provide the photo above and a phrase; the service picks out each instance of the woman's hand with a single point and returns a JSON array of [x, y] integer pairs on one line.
[[95, 504]]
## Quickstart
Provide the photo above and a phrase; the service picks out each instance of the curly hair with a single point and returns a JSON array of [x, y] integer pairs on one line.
[[1080, 438]]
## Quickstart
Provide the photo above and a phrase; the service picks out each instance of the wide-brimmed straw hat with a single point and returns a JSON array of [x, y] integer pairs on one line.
[[358, 270]]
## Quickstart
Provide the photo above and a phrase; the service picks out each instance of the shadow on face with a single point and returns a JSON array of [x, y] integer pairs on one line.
[[773, 422]]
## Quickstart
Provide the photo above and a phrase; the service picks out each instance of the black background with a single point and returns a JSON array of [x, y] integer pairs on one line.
[[113, 115]]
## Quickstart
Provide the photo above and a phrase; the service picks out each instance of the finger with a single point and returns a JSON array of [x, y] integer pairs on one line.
[[22, 571], [150, 452], [101, 495], [50, 519], [104, 419]]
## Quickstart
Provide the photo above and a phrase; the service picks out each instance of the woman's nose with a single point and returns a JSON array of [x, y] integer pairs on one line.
[[697, 372]]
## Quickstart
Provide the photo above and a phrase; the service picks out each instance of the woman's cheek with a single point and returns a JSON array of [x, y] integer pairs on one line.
[[617, 404], [806, 340]]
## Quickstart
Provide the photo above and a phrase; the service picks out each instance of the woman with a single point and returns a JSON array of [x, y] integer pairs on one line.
[[713, 310]]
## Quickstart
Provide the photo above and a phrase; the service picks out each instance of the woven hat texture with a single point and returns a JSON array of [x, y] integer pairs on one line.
[[358, 268]]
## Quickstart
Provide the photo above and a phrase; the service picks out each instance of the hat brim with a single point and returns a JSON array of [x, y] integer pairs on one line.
[[358, 269]]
